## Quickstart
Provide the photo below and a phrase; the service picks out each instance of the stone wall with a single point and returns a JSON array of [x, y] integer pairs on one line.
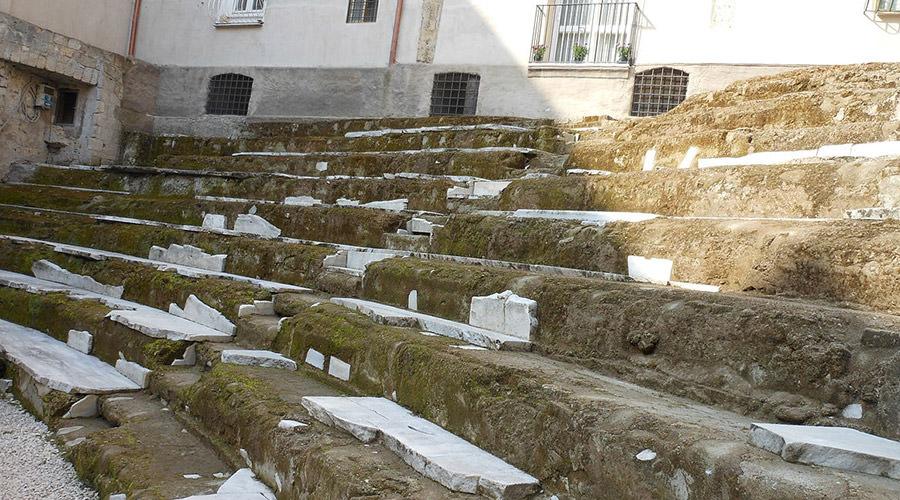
[[30, 55]]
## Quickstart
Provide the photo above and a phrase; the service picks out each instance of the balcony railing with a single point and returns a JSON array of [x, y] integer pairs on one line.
[[590, 32]]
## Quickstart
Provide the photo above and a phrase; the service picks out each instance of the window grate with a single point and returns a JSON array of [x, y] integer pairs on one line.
[[362, 11], [66, 107], [658, 90], [229, 94], [454, 94]]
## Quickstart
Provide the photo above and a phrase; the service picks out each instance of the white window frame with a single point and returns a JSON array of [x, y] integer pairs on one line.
[[241, 12]]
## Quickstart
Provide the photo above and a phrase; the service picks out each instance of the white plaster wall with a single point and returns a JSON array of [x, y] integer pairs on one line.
[[102, 23], [295, 33]]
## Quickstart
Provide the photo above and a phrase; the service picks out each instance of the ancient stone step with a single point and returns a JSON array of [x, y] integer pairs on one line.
[[764, 191], [256, 414], [510, 403], [778, 358], [428, 448], [147, 453], [430, 195]]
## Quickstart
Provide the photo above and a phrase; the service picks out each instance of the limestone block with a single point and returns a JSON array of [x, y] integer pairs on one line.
[[876, 149], [254, 224], [302, 201], [657, 271], [214, 221], [836, 447], [315, 358], [489, 189], [85, 407], [398, 205], [412, 301], [189, 358], [506, 313], [339, 369], [489, 312], [245, 310], [189, 256], [425, 446], [420, 226], [264, 359], [49, 271], [198, 312], [135, 372], [264, 307], [649, 160], [80, 341]]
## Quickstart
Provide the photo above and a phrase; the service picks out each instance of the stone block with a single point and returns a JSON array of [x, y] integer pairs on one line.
[[134, 372], [357, 259], [658, 271], [162, 325], [215, 221], [398, 205], [315, 358], [412, 301], [189, 358], [835, 447], [459, 193], [264, 307], [85, 407], [835, 151], [506, 313], [254, 224], [488, 189], [264, 359], [302, 201], [420, 226], [245, 310], [489, 312], [49, 271], [339, 369], [80, 341], [649, 160], [322, 166], [198, 312], [189, 256]]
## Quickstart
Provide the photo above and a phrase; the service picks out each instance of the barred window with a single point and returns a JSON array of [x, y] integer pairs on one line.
[[362, 11], [658, 90], [454, 94], [229, 94]]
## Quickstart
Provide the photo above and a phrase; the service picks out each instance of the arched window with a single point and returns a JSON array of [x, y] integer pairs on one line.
[[229, 94], [454, 94], [658, 90]]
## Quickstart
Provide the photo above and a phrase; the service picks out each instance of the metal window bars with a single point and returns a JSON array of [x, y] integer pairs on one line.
[[580, 31], [888, 6], [455, 94], [362, 11], [658, 90], [229, 94]]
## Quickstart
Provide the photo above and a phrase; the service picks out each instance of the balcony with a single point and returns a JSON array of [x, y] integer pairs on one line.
[[888, 9], [588, 33]]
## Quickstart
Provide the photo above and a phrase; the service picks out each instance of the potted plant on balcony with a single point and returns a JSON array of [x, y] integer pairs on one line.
[[538, 52], [625, 54], [579, 53]]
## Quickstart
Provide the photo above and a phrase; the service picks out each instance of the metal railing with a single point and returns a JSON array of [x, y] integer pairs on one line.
[[584, 31]]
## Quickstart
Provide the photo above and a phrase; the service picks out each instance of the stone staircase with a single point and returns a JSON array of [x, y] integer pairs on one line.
[[585, 334]]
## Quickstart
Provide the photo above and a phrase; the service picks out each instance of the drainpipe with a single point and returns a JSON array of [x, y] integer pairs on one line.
[[395, 41], [135, 19]]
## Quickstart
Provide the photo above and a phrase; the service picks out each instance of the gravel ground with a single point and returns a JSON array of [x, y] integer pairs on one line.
[[31, 467]]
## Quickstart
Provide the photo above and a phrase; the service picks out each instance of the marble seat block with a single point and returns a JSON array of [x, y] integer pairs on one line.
[[198, 312], [80, 341], [658, 271], [55, 365], [355, 259], [339, 369], [302, 201], [426, 447], [187, 255], [214, 221], [835, 447], [49, 271], [264, 359], [420, 226], [506, 313], [135, 372], [254, 224], [459, 193], [488, 189], [398, 205], [162, 325], [85, 407], [315, 358]]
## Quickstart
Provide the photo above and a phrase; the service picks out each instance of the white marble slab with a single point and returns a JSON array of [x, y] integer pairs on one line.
[[46, 270], [135, 372], [195, 310], [599, 218], [190, 256], [58, 366], [394, 316], [315, 358], [338, 368], [442, 128], [263, 359], [80, 341], [162, 325], [254, 224], [836, 447], [426, 447], [658, 271]]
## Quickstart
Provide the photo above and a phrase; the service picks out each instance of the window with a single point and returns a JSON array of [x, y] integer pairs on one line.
[[362, 11], [454, 94], [658, 90], [889, 5], [238, 12], [66, 106], [229, 94]]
